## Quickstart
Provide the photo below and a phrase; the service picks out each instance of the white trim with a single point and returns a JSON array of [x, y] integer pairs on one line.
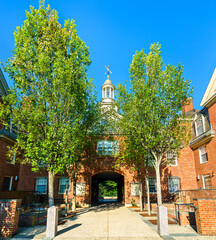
[[11, 181], [175, 159], [36, 184], [208, 89], [169, 179], [203, 180], [60, 185], [200, 156], [203, 125]]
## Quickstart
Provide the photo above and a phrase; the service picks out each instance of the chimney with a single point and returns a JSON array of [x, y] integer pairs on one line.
[[187, 105]]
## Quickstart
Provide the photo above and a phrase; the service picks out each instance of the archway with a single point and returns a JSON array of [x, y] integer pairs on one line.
[[97, 179]]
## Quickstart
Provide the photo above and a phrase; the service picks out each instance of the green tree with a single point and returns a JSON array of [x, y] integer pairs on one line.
[[49, 101], [135, 156], [151, 109]]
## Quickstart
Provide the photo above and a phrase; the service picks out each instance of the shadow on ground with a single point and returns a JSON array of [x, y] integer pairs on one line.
[[99, 207], [68, 229]]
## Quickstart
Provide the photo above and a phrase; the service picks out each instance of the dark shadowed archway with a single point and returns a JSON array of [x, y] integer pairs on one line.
[[104, 176]]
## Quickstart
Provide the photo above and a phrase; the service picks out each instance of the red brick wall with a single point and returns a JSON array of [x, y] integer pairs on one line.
[[185, 170], [188, 195], [9, 217], [205, 216], [96, 164], [7, 169], [189, 107], [187, 218]]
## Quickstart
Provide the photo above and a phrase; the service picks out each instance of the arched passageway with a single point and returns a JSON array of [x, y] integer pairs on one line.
[[97, 179]]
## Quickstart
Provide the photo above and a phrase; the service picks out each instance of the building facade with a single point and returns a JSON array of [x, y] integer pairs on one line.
[[193, 168], [9, 169]]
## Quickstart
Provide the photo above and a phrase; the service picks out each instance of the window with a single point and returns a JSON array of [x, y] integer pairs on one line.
[[203, 154], [199, 125], [107, 147], [12, 161], [206, 181], [152, 185], [41, 185], [7, 183], [171, 158], [134, 189], [80, 189], [173, 183], [108, 93], [63, 181]]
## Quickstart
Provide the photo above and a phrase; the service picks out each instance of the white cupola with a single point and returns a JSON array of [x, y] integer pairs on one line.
[[108, 91]]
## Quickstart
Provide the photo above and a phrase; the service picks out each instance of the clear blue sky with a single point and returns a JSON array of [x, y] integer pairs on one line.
[[114, 30]]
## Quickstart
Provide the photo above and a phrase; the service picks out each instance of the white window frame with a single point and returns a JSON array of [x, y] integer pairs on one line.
[[169, 179], [13, 161], [134, 189], [81, 189], [115, 148], [36, 184], [203, 125], [200, 156], [59, 187], [171, 158], [11, 181], [203, 180], [149, 178]]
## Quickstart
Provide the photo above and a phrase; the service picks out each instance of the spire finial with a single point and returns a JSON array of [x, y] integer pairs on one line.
[[108, 71]]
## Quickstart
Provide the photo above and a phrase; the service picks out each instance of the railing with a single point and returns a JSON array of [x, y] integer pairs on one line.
[[178, 210]]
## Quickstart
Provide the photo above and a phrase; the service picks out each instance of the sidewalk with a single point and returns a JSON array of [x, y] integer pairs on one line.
[[107, 221]]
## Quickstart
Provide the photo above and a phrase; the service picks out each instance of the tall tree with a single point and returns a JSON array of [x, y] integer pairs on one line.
[[152, 107], [135, 156], [49, 101]]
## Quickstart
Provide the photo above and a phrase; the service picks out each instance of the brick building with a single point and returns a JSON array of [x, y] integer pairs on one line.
[[9, 170], [193, 168]]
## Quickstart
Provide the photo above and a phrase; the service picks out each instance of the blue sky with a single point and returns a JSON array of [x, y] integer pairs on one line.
[[114, 30]]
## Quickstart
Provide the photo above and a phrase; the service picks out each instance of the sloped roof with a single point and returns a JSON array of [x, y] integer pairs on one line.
[[210, 92], [3, 85]]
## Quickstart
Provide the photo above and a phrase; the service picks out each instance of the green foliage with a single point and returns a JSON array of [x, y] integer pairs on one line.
[[78, 205], [52, 103], [133, 203], [108, 189], [152, 108], [152, 121]]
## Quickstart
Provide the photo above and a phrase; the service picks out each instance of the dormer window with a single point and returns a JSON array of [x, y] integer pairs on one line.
[[199, 125]]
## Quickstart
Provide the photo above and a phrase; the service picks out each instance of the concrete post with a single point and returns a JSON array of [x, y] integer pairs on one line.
[[162, 221], [52, 222]]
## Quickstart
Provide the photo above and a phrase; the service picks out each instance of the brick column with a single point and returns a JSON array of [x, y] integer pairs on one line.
[[9, 216], [205, 216]]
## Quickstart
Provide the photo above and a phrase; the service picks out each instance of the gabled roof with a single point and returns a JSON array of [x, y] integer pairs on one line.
[[3, 85], [210, 93]]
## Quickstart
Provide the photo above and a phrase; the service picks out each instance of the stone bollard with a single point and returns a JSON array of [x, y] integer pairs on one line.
[[162, 221], [52, 222]]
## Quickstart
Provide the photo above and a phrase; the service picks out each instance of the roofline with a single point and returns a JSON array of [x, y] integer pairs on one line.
[[208, 89]]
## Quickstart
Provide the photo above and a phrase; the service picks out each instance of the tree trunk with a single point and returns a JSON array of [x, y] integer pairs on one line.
[[157, 170], [66, 198], [74, 196], [148, 193], [140, 194], [51, 188]]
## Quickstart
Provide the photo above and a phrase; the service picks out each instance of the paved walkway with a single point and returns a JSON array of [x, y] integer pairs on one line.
[[108, 221]]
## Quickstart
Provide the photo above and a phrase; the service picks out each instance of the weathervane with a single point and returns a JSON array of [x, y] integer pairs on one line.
[[108, 71]]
